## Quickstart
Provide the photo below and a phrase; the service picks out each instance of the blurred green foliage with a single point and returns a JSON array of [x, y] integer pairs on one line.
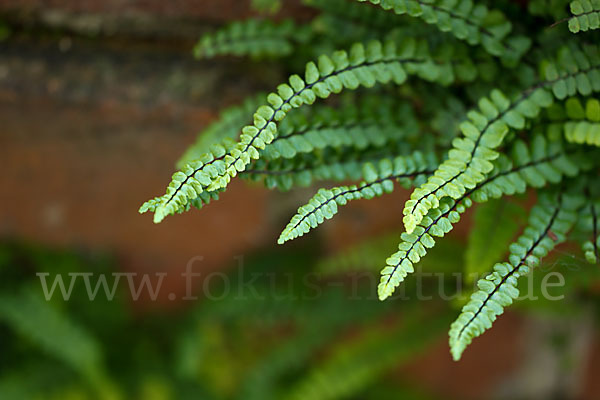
[[319, 333], [309, 336]]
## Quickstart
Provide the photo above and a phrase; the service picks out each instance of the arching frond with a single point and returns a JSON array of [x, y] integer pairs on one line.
[[379, 179], [474, 23], [370, 123], [363, 66], [534, 167], [470, 159], [227, 126], [253, 37], [550, 221], [337, 165], [502, 105]]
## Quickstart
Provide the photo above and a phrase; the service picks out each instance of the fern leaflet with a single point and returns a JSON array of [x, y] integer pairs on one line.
[[586, 15]]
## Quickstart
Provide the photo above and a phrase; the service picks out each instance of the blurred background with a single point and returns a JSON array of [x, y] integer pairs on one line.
[[98, 98]]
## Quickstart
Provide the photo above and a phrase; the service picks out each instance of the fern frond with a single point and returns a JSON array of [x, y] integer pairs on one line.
[[331, 164], [187, 185], [586, 15], [327, 143], [363, 66], [545, 162], [549, 223], [359, 127], [227, 126], [379, 178], [495, 225], [414, 245], [470, 159], [475, 24], [150, 205], [253, 37]]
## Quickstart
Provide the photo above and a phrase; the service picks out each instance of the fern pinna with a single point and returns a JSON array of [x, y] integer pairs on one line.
[[464, 102]]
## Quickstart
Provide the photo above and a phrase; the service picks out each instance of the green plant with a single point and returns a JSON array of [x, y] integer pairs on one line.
[[94, 348], [492, 104]]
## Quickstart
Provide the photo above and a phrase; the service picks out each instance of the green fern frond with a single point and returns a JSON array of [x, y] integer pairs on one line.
[[470, 159], [284, 174], [227, 126], [363, 66], [343, 20], [379, 178], [414, 245], [370, 123], [475, 24], [586, 15], [501, 122], [545, 162], [330, 164], [549, 223], [495, 225], [187, 185], [150, 205], [574, 70], [253, 37]]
